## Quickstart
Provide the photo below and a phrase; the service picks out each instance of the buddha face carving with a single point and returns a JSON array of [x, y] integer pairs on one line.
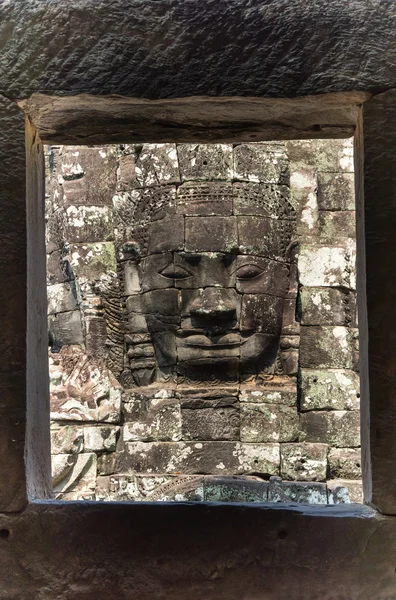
[[209, 289]]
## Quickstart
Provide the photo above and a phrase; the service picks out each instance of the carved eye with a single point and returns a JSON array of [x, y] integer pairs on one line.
[[248, 272], [175, 272]]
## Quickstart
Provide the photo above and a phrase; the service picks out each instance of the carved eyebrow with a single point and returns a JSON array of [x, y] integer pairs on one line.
[[192, 258]]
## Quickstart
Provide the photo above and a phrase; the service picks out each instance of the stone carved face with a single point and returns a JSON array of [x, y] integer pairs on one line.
[[207, 303]]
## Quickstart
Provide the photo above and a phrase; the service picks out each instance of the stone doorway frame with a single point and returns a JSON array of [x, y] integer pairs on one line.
[[184, 550]]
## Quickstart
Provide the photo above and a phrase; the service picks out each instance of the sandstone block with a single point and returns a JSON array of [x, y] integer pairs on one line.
[[87, 175], [212, 199], [151, 419], [210, 457], [61, 298], [92, 261], [181, 457], [65, 329], [108, 463], [263, 200], [296, 491], [269, 423], [166, 235], [210, 423], [338, 428], [303, 187], [211, 234], [263, 162], [148, 165], [259, 459], [337, 224], [329, 389], [73, 472], [345, 463], [235, 489], [66, 439], [81, 389], [88, 224], [286, 396], [56, 273], [304, 462], [205, 161], [330, 158], [327, 266], [327, 347], [99, 439], [336, 191], [327, 306], [263, 236], [341, 491]]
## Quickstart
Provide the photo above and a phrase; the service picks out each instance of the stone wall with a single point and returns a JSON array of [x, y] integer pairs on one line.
[[292, 435]]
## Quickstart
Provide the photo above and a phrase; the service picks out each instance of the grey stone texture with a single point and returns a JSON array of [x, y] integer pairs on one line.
[[153, 245]]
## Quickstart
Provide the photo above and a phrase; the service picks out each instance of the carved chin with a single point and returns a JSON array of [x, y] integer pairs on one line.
[[259, 349]]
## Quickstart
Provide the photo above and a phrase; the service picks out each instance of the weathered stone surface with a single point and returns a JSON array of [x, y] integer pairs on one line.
[[376, 229], [263, 236], [148, 165], [326, 158], [269, 423], [107, 463], [266, 163], [329, 389], [327, 306], [87, 175], [221, 458], [62, 297], [88, 224], [99, 439], [290, 324], [336, 191], [263, 200], [344, 491], [56, 273], [345, 463], [262, 459], [66, 439], [213, 199], [205, 161], [261, 313], [296, 491], [92, 261], [151, 419], [337, 428], [210, 423], [181, 457], [327, 347], [303, 188], [132, 209], [235, 489], [337, 224], [221, 324], [73, 472], [323, 266], [212, 234], [65, 329], [276, 395], [304, 462], [82, 390]]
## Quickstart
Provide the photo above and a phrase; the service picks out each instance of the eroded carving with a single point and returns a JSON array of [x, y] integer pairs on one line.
[[205, 292]]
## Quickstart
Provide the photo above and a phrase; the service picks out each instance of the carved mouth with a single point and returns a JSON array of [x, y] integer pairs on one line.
[[217, 342]]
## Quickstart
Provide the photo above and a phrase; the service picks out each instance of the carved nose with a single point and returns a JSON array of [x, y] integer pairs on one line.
[[213, 303]]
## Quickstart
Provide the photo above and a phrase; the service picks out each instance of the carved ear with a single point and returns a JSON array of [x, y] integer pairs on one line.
[[132, 249]]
